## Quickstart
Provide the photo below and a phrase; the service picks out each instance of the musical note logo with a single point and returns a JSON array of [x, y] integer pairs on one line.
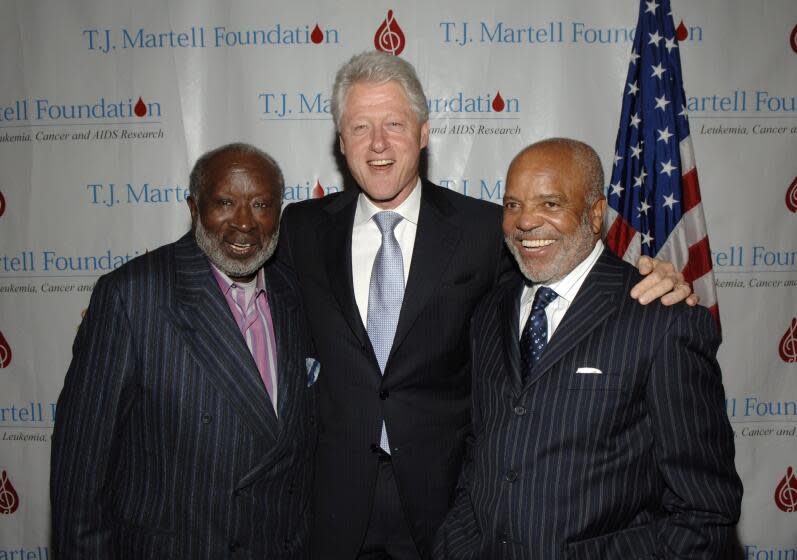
[[791, 193], [389, 37], [788, 344], [5, 352], [786, 492], [9, 500], [318, 190]]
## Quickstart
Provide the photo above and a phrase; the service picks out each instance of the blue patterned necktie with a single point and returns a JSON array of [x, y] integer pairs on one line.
[[385, 294], [535, 333]]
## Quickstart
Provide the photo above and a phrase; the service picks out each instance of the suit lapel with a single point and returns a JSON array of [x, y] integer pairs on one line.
[[509, 313], [213, 338], [335, 234], [595, 303], [436, 238], [283, 306]]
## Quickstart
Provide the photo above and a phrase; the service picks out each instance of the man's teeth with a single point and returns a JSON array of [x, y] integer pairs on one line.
[[535, 243], [242, 245], [381, 162]]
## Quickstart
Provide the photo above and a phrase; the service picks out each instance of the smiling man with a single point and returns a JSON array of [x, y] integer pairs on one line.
[[599, 425], [390, 273], [186, 427]]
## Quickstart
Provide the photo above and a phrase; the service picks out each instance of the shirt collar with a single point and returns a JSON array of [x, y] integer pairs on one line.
[[567, 287], [226, 283], [409, 209]]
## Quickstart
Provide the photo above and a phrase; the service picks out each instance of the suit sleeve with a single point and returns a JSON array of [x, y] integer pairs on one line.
[[694, 445], [459, 536], [90, 409]]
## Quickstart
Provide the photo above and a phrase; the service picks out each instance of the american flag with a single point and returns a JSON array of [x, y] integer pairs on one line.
[[654, 196]]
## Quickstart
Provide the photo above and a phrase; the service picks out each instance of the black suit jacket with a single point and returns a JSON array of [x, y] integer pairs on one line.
[[424, 396], [634, 462], [165, 445]]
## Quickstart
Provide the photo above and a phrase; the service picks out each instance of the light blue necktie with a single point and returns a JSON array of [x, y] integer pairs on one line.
[[385, 293]]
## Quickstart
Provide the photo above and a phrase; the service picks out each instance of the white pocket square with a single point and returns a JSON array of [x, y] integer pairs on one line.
[[313, 369], [591, 370]]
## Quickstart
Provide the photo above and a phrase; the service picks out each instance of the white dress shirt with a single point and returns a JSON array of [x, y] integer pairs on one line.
[[566, 290], [366, 240]]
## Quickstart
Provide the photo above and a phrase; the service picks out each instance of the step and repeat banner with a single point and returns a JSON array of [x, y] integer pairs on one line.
[[104, 106]]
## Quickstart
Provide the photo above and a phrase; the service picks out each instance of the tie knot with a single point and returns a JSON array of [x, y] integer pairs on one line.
[[542, 298], [387, 221]]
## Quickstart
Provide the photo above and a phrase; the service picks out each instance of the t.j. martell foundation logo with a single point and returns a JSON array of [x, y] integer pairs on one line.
[[9, 500], [793, 39], [786, 492], [389, 37], [5, 352], [788, 344], [791, 197]]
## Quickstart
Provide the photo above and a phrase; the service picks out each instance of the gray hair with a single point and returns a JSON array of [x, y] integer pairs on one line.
[[199, 174], [585, 159], [378, 68]]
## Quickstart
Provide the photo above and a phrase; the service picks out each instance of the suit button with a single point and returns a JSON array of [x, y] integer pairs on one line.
[[233, 546], [511, 476], [384, 395], [206, 418], [520, 410]]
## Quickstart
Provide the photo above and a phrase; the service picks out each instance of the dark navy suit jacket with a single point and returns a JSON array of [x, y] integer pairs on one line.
[[633, 462], [165, 445]]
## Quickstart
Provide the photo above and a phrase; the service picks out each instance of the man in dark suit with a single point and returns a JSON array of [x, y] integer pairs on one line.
[[186, 425], [390, 274], [599, 425]]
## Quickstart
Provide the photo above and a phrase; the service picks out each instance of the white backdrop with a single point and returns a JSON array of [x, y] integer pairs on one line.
[[90, 176]]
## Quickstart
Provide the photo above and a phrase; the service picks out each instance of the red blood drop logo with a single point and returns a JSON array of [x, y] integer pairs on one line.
[[681, 33], [141, 108], [389, 37], [318, 190], [498, 102], [793, 39], [316, 36], [2, 204], [786, 492], [9, 500], [791, 197], [788, 344], [5, 352]]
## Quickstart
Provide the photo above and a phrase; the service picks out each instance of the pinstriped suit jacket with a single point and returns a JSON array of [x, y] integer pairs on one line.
[[165, 445], [636, 462]]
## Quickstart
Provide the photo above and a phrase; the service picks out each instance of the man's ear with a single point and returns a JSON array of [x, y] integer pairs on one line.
[[192, 206], [341, 144], [596, 215]]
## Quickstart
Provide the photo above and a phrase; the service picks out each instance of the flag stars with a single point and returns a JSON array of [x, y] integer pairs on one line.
[[647, 239], [633, 57], [635, 151], [669, 44], [640, 179], [665, 134], [635, 120], [633, 88], [643, 207], [667, 167], [669, 201], [651, 7], [658, 70], [683, 113], [655, 38], [661, 102], [616, 188]]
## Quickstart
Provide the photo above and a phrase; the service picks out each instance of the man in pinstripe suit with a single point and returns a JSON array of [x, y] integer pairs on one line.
[[186, 426], [608, 438]]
